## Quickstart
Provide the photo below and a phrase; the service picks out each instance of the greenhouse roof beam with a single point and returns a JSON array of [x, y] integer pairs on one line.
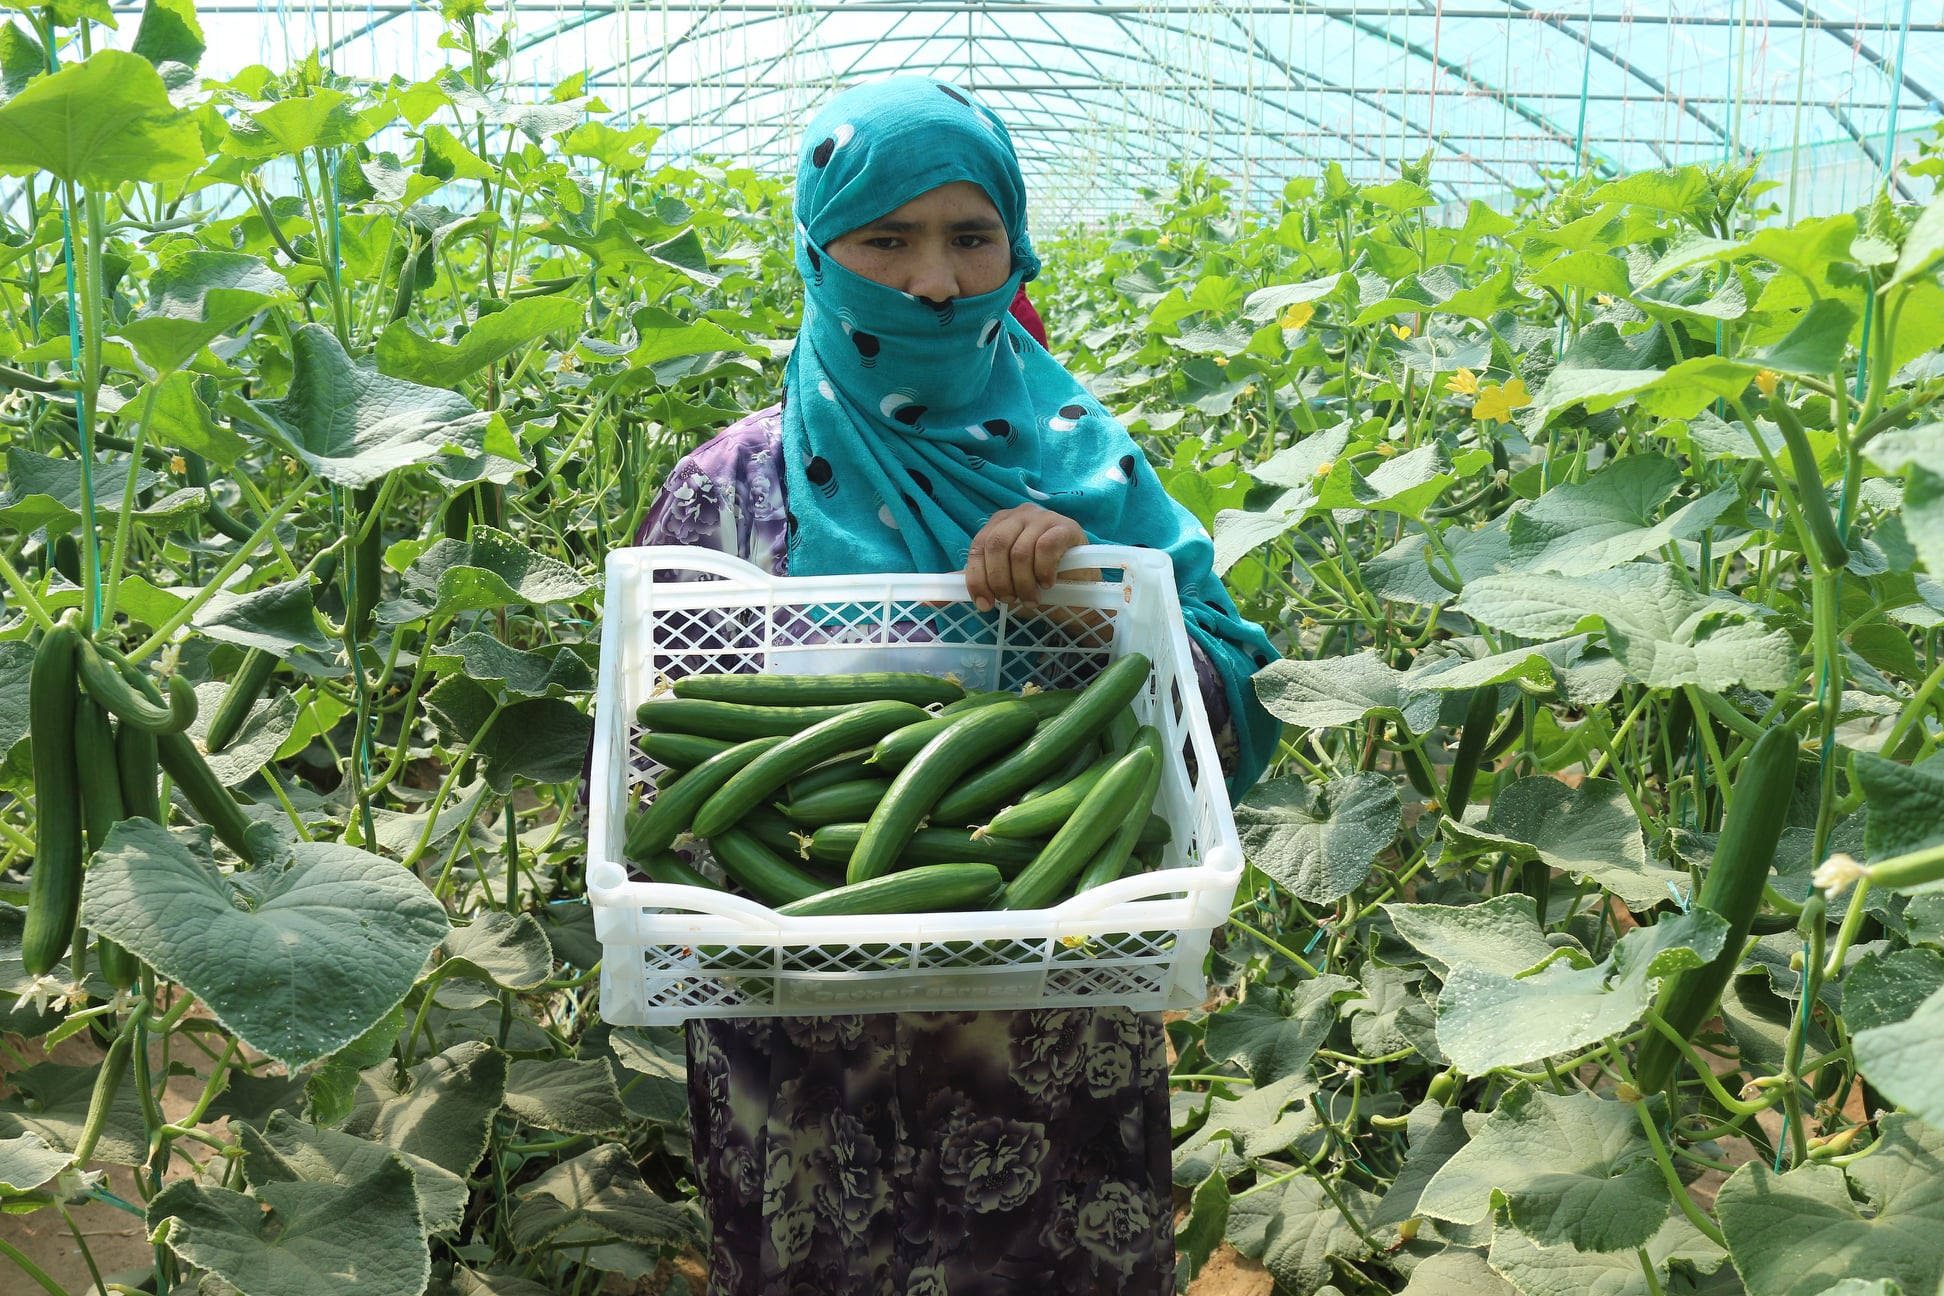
[[1659, 87], [1837, 28]]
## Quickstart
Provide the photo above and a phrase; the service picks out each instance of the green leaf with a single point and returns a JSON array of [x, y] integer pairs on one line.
[[291, 1151], [1398, 573], [1570, 1169], [16, 667], [1271, 1043], [489, 570], [501, 949], [1583, 677], [275, 618], [542, 739], [1683, 191], [597, 1194], [1197, 1236], [1922, 245], [302, 1239], [1342, 691], [1900, 1058], [1458, 1271], [100, 123], [1562, 1271], [170, 37], [179, 418], [1487, 1020], [195, 297], [1294, 1229], [1595, 272], [510, 674], [298, 960], [1587, 831], [403, 353], [443, 1112], [46, 492], [1408, 484], [27, 1162], [1795, 1234], [1906, 804], [325, 118], [51, 1101], [1663, 633], [1257, 1123], [351, 425], [1319, 842], [1436, 1134], [1388, 993], [1816, 345], [331, 1089], [1265, 304], [1500, 935], [268, 725], [1886, 987], [1581, 527], [565, 1095], [21, 60]]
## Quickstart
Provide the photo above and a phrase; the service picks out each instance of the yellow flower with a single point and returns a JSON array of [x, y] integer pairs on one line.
[[1296, 315], [1463, 383], [1249, 390], [1766, 380], [1325, 468], [178, 465], [1221, 362], [1401, 331], [1498, 402], [1605, 299], [1164, 241]]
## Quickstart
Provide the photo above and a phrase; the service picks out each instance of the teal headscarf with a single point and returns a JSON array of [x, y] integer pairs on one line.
[[908, 423]]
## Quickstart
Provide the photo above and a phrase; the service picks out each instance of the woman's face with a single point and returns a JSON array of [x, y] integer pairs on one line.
[[947, 242]]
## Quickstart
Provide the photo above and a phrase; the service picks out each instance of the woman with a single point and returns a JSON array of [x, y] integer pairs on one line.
[[922, 429]]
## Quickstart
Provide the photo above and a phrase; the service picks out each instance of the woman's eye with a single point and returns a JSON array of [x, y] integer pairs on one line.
[[971, 241], [884, 243]]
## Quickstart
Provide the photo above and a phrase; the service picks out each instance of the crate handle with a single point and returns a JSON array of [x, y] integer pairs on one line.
[[717, 563]]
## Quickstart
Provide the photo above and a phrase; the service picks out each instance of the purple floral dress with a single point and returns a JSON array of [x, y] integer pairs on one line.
[[915, 1154]]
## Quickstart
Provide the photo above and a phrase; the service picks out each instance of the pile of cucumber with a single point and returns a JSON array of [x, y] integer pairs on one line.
[[896, 792], [102, 733]]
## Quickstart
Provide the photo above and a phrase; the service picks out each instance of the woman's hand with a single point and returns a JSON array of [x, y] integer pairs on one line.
[[1015, 558]]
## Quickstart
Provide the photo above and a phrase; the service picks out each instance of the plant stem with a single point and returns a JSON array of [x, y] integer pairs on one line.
[[1679, 1191]]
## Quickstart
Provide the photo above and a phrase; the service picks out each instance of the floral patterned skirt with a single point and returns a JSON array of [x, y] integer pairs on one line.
[[934, 1154]]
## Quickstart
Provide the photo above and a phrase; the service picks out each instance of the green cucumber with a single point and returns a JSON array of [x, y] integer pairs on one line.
[[774, 831], [1480, 715], [97, 777], [1114, 800], [680, 751], [753, 785], [836, 843], [1051, 744], [845, 769], [673, 810], [1743, 858], [245, 688], [895, 750], [1041, 816], [139, 767], [115, 686], [972, 700], [204, 791], [54, 882], [760, 871], [367, 558], [969, 741], [839, 803], [821, 690], [731, 720], [667, 866], [1112, 858], [930, 888], [1811, 501]]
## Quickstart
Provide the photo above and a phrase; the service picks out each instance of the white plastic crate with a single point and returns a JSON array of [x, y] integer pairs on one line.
[[675, 952]]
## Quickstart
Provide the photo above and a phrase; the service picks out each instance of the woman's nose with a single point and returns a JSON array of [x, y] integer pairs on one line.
[[934, 278]]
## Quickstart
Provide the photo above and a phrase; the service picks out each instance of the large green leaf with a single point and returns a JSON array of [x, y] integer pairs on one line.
[[325, 118], [27, 1162], [1259, 1123], [52, 1101], [1319, 842], [444, 1109], [298, 959], [1500, 935], [275, 618], [170, 37], [21, 60], [1436, 1134], [1588, 831], [405, 354], [1922, 245], [1608, 519], [101, 123], [1570, 1169], [195, 297], [1294, 1228], [512, 674], [542, 739], [502, 949], [1795, 1234], [1488, 1020], [1584, 676], [43, 491], [598, 1194], [489, 570], [1906, 804], [1901, 1059], [289, 1150], [177, 417], [1562, 1271], [1342, 691], [566, 1095], [1271, 1043], [1664, 633], [1408, 484], [302, 1239], [1399, 574], [351, 425], [266, 727]]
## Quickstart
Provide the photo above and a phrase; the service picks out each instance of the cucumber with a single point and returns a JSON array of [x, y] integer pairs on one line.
[[930, 888], [895, 750], [968, 741], [1113, 800], [1733, 889], [98, 777], [1041, 816], [1480, 715], [731, 720], [667, 866], [1113, 857], [821, 690], [207, 794], [367, 559], [760, 871], [774, 831], [245, 688], [972, 700], [840, 803], [54, 882], [680, 751], [139, 767], [1051, 744], [757, 782], [655, 829], [845, 769], [835, 843], [120, 687], [65, 557]]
